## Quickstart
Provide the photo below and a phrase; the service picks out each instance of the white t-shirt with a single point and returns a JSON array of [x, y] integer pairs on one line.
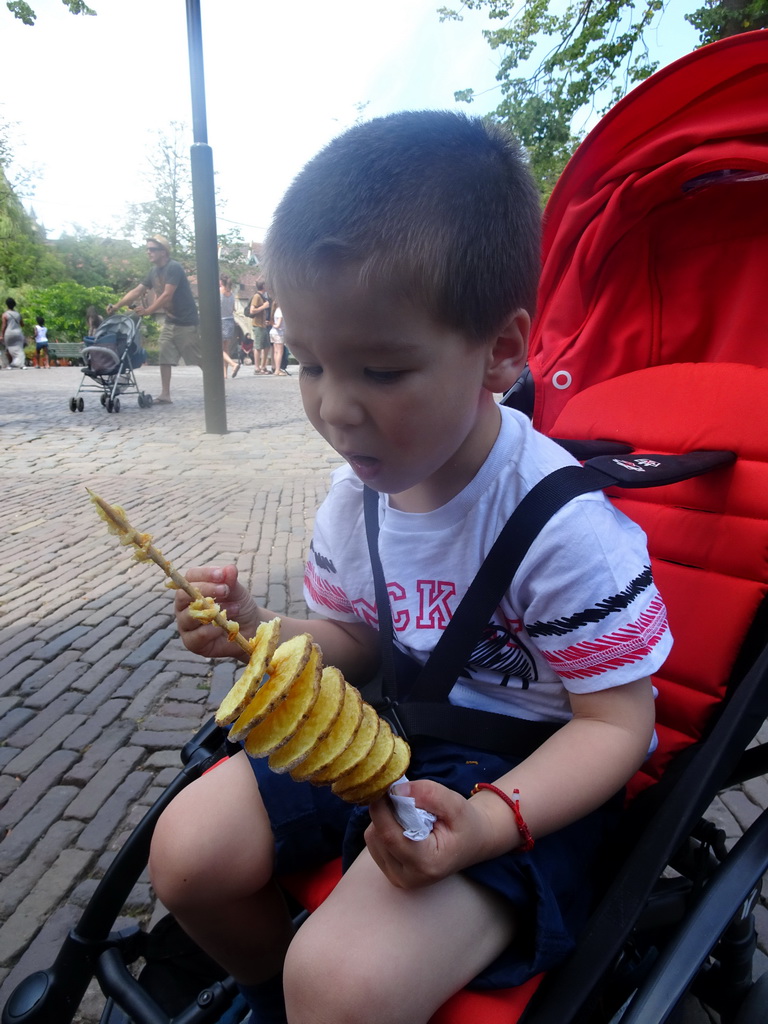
[[582, 613]]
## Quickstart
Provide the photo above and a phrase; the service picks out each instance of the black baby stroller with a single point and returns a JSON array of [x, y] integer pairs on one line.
[[110, 358], [662, 211]]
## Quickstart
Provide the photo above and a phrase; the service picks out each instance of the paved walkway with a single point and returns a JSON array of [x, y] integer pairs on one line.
[[97, 694]]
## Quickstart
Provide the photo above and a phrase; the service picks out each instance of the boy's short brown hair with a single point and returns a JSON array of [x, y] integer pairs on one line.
[[440, 205]]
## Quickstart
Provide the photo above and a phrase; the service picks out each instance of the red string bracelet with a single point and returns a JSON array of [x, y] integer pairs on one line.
[[513, 803]]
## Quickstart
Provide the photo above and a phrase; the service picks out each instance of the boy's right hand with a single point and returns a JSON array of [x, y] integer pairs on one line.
[[210, 640]]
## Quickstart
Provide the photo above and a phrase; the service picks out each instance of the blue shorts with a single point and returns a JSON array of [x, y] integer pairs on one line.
[[551, 887]]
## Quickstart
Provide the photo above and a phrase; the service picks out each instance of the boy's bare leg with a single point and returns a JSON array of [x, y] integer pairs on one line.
[[211, 865], [401, 951]]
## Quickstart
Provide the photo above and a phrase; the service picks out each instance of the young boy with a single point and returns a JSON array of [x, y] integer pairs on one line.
[[406, 259]]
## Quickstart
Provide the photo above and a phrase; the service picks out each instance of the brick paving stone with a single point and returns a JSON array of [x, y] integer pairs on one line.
[[161, 740], [110, 686], [24, 877], [95, 674], [93, 634], [191, 669], [148, 649], [45, 718], [33, 826], [173, 723], [118, 636], [9, 681], [60, 684], [63, 642], [95, 724], [7, 754], [16, 648], [25, 921], [13, 720], [136, 679], [164, 760], [741, 807], [8, 786], [29, 758], [148, 696], [96, 792], [192, 690], [99, 752], [98, 832], [43, 778], [47, 672]]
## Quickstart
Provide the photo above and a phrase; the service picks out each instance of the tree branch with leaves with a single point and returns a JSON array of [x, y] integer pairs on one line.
[[21, 10], [560, 62]]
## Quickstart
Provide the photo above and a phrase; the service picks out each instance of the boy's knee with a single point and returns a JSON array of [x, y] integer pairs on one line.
[[174, 870], [327, 985], [192, 865]]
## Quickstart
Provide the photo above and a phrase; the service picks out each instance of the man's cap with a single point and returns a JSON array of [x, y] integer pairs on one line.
[[161, 241]]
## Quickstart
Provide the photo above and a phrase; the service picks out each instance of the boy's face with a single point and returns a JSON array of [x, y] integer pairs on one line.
[[401, 398]]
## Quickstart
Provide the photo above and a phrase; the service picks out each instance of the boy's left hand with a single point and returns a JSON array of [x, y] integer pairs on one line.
[[456, 841]]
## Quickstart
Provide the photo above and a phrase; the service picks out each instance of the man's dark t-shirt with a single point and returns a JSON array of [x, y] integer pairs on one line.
[[183, 310]]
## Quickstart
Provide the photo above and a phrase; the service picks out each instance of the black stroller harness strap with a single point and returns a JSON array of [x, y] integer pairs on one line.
[[426, 711]]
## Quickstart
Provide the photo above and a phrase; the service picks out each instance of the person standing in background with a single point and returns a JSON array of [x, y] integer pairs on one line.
[[12, 336], [259, 313], [227, 324], [41, 343]]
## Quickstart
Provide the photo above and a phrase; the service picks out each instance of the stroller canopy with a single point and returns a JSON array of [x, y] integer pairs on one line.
[[655, 245]]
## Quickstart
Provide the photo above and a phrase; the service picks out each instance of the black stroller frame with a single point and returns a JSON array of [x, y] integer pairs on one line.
[[110, 359]]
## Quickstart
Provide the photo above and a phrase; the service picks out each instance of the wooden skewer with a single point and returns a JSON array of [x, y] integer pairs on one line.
[[142, 543]]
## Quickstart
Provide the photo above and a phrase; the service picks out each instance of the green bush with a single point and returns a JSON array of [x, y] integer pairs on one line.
[[64, 308]]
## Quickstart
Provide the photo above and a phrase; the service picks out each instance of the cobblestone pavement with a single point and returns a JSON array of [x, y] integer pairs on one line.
[[97, 694]]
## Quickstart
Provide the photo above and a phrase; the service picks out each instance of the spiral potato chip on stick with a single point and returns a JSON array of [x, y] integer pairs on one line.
[[307, 719]]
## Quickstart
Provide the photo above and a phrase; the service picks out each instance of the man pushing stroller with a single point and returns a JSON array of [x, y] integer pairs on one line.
[[179, 337]]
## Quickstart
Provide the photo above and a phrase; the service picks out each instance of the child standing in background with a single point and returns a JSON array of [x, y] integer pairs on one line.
[[41, 343]]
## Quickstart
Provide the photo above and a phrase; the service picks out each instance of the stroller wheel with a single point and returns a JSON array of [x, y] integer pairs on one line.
[[73, 405], [80, 405], [110, 405], [148, 400], [117, 405], [141, 401], [103, 399]]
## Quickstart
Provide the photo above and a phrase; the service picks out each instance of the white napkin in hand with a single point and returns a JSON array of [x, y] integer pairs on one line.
[[417, 823]]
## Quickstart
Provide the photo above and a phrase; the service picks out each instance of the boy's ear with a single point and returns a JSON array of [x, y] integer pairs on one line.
[[508, 353]]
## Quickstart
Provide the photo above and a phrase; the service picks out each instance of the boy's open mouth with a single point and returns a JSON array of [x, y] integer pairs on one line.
[[364, 465]]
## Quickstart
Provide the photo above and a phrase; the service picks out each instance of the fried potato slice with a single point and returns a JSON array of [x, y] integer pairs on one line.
[[376, 759], [242, 693], [377, 787], [281, 724], [359, 748], [287, 664], [338, 739], [316, 727]]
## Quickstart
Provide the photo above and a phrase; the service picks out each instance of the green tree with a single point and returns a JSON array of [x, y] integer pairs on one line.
[[593, 53], [21, 10], [64, 307], [233, 254], [169, 178], [93, 262], [25, 257]]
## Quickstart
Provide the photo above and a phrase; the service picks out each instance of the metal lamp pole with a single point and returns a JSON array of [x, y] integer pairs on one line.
[[204, 202]]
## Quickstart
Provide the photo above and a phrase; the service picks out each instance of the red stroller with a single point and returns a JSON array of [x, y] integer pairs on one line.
[[651, 333]]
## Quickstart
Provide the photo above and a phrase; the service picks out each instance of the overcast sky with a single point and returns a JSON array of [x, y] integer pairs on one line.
[[84, 93]]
